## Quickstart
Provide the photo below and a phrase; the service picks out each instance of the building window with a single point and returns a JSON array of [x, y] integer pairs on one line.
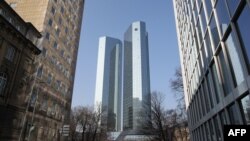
[[232, 5], [50, 22], [203, 21], [234, 57], [223, 119], [244, 31], [44, 105], [62, 53], [60, 21], [49, 78], [204, 55], [234, 117], [198, 31], [58, 84], [208, 8], [55, 45], [53, 10], [53, 60], [57, 31], [62, 9], [206, 97], [214, 32], [33, 97], [208, 135], [47, 36], [66, 30], [40, 71], [44, 52], [245, 104], [224, 73], [222, 15], [214, 81], [212, 130], [3, 82], [10, 54], [208, 47], [217, 129]]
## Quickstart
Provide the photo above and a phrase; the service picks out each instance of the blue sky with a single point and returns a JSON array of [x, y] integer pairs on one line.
[[112, 18]]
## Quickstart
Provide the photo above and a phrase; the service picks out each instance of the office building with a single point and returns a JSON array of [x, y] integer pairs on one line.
[[108, 82], [18, 51], [136, 78], [214, 47], [59, 22]]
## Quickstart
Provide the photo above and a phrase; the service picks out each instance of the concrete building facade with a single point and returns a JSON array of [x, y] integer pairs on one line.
[[214, 47], [108, 82], [59, 22]]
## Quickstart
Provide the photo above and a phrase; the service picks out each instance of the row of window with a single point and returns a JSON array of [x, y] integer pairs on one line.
[[57, 84], [216, 54], [226, 51], [10, 56], [236, 113], [62, 52], [40, 101]]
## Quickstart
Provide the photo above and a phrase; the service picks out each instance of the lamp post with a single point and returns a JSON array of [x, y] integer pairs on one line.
[[27, 111], [33, 81], [33, 112]]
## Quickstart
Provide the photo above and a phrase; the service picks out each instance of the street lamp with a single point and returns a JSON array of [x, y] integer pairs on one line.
[[33, 112], [27, 111], [33, 81]]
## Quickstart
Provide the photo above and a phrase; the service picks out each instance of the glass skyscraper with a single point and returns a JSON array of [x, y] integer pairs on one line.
[[108, 82], [136, 78], [214, 47]]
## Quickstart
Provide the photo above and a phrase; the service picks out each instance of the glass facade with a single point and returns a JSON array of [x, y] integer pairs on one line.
[[219, 58], [136, 82], [108, 82], [245, 102]]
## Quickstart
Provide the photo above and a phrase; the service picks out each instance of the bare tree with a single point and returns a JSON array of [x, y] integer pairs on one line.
[[160, 121], [73, 125], [80, 119], [86, 124], [158, 115], [176, 85]]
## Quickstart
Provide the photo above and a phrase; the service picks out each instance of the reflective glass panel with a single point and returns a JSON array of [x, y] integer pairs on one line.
[[214, 32], [222, 15], [216, 83], [232, 4], [234, 117], [245, 102], [243, 26], [224, 73], [234, 57], [208, 7]]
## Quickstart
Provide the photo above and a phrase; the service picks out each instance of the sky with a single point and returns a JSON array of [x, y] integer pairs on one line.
[[112, 18]]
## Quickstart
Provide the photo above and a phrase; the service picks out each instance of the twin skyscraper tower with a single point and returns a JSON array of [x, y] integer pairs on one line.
[[123, 79]]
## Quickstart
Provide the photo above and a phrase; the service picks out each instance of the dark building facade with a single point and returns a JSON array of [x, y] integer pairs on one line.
[[214, 47], [59, 22], [18, 52]]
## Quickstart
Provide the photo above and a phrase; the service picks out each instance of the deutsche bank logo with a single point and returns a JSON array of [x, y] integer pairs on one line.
[[241, 132]]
